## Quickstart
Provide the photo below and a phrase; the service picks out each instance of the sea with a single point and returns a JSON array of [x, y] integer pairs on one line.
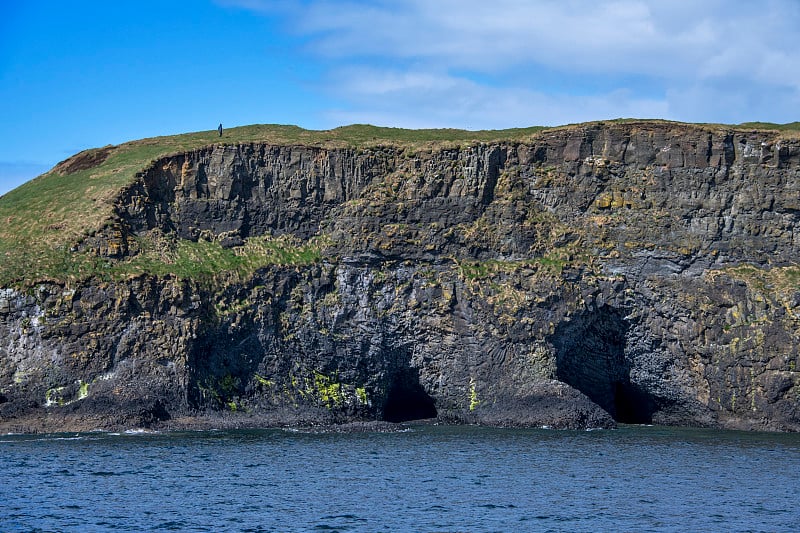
[[420, 478]]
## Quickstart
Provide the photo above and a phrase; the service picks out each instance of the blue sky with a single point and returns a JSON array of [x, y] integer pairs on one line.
[[81, 74]]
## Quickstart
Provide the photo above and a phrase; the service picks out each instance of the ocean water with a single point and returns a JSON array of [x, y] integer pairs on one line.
[[426, 478]]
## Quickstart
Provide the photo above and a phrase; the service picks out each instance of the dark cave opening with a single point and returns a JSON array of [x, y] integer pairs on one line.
[[591, 358], [631, 405], [407, 400]]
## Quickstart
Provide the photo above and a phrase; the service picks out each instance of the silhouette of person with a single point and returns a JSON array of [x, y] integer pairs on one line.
[[219, 129]]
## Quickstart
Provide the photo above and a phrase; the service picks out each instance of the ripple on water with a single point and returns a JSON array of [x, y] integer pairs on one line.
[[437, 478]]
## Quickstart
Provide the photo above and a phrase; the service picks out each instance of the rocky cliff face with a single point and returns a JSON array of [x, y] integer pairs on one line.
[[629, 272]]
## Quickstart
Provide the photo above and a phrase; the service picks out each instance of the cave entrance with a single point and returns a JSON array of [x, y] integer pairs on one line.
[[590, 356], [631, 405], [407, 400]]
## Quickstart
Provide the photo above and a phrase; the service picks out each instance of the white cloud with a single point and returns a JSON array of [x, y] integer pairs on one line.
[[421, 100], [676, 59], [621, 36]]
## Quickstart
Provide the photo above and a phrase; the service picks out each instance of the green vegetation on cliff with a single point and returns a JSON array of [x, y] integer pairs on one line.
[[45, 217], [637, 271], [42, 221]]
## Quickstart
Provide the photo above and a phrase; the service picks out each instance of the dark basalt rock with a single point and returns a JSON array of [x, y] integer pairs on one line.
[[636, 273]]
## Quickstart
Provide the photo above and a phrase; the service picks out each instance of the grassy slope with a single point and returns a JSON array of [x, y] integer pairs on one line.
[[42, 219]]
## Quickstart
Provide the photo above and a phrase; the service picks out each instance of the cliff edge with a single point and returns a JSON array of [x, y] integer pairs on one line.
[[623, 271]]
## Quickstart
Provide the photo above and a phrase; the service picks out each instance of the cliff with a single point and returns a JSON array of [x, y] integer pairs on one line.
[[634, 271]]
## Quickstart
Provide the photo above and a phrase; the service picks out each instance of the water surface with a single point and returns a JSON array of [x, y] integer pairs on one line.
[[428, 478]]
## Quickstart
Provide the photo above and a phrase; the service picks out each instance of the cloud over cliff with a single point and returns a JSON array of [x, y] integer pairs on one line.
[[508, 62]]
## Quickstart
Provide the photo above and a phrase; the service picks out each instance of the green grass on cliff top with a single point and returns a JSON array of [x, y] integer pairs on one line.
[[43, 218]]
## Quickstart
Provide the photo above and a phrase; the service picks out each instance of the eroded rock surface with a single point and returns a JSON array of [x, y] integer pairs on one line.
[[612, 273]]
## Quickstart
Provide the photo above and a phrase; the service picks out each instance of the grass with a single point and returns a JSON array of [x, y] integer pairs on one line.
[[42, 219], [784, 279], [554, 262], [162, 256], [364, 135], [203, 260], [791, 126]]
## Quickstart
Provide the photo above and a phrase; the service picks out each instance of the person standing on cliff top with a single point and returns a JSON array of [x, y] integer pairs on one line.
[[219, 129]]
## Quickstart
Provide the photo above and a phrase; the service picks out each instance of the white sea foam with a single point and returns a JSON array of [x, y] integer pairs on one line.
[[139, 431]]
